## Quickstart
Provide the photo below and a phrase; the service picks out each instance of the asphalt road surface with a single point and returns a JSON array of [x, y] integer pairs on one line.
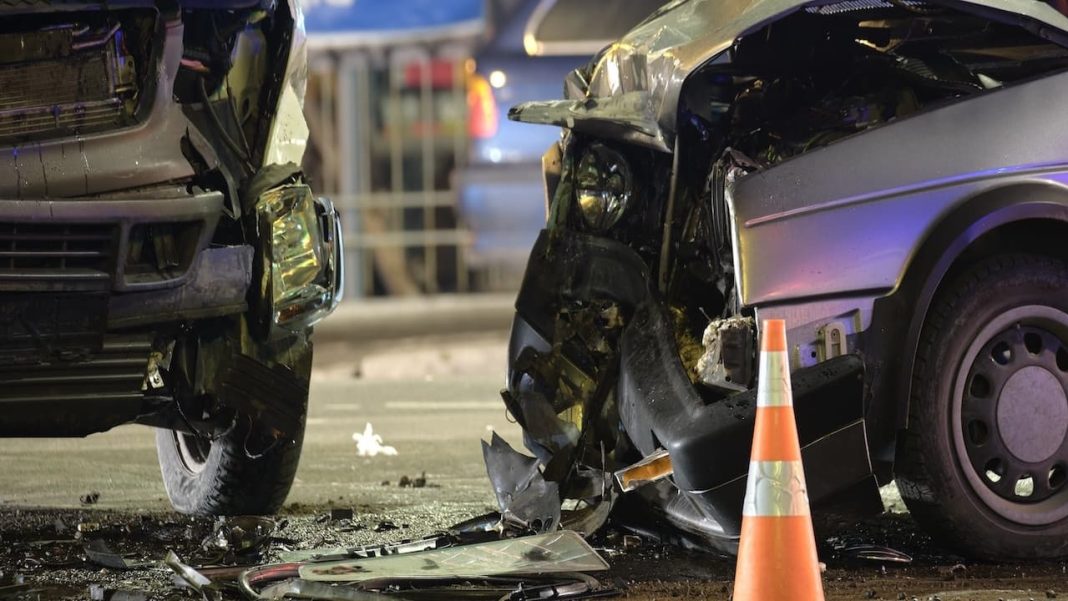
[[432, 400]]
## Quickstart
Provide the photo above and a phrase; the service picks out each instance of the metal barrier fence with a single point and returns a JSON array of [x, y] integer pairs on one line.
[[388, 128]]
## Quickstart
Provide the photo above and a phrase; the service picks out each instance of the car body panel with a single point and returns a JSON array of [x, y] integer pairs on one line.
[[859, 222], [144, 154]]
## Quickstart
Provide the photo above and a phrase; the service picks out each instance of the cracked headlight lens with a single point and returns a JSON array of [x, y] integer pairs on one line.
[[303, 277], [603, 187]]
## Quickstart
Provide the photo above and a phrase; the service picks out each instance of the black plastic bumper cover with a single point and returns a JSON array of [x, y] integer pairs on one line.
[[709, 443]]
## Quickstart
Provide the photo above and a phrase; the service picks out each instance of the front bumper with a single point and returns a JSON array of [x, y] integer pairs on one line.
[[125, 242], [659, 407]]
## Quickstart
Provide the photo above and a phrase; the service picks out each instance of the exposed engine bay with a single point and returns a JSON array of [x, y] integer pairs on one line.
[[593, 382], [800, 84]]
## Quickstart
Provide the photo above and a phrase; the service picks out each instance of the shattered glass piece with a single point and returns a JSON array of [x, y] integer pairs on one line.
[[526, 499], [555, 552], [369, 444]]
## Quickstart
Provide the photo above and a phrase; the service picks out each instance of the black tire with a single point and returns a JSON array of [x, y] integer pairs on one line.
[[245, 471], [983, 463], [220, 478]]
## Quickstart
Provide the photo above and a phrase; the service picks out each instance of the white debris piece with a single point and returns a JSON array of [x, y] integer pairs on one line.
[[369, 444]]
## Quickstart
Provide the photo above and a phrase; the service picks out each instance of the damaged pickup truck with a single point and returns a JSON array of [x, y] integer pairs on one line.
[[888, 176], [162, 259]]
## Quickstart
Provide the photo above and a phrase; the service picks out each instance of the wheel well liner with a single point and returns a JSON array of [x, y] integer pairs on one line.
[[992, 221]]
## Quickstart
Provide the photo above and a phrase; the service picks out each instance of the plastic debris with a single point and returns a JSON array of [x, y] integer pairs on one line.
[[877, 553], [369, 444], [98, 553], [237, 536], [366, 551], [386, 526], [296, 588], [190, 578], [99, 593], [527, 501], [555, 552], [341, 513], [650, 469]]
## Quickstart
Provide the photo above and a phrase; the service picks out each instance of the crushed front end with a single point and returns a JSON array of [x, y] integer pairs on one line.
[[604, 364], [675, 223], [162, 257]]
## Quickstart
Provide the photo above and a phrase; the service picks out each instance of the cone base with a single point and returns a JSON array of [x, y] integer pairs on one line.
[[777, 560]]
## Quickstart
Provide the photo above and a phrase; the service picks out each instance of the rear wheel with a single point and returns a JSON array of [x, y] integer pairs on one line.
[[984, 461]]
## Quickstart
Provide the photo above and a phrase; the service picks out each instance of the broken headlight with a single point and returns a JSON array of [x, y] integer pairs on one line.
[[603, 187], [302, 250]]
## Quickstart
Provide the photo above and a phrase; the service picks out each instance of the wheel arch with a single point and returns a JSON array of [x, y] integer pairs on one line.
[[1020, 217]]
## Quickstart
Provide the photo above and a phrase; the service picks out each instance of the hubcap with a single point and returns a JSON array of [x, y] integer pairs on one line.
[[1012, 414], [1032, 414]]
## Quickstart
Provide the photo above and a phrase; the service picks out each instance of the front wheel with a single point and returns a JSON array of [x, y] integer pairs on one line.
[[984, 462], [250, 468], [225, 476]]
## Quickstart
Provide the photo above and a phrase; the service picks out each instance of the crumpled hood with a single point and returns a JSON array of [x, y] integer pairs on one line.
[[634, 84]]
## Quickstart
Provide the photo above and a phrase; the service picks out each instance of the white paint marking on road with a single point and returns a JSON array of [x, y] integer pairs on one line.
[[343, 407], [317, 421], [444, 405]]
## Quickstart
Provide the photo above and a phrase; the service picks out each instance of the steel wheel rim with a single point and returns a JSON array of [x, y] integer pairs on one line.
[[997, 457], [193, 451]]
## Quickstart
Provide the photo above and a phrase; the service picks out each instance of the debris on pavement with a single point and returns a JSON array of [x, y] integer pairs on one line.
[[296, 588], [527, 501], [90, 498], [98, 553], [100, 593], [239, 539], [876, 553], [369, 444], [341, 513], [555, 552], [417, 482], [190, 578], [365, 551], [386, 526]]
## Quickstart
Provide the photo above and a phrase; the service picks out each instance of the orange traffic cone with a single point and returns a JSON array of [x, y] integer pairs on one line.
[[777, 552]]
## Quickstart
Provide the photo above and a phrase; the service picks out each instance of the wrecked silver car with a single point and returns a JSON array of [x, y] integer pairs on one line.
[[162, 259], [889, 177]]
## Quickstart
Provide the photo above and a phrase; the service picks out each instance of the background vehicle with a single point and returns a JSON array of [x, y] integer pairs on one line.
[[533, 44], [161, 259], [888, 177]]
